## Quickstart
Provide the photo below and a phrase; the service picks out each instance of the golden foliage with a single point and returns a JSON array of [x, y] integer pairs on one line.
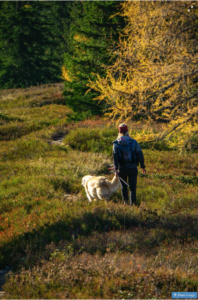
[[65, 74], [80, 38], [155, 74]]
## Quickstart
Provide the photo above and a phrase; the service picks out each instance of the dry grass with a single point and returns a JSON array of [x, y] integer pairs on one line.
[[140, 274]]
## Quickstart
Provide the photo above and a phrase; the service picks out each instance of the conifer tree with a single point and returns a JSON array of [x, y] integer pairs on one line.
[[26, 36], [60, 12], [92, 33], [155, 76]]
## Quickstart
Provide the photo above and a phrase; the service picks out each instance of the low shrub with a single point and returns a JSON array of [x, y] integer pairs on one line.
[[94, 140]]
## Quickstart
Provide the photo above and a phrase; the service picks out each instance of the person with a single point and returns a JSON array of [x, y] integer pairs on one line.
[[127, 155]]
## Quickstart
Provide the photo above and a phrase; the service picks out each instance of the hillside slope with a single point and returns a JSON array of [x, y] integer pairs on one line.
[[56, 244]]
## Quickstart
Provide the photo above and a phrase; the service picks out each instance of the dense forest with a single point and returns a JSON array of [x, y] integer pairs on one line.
[[30, 43], [39, 39]]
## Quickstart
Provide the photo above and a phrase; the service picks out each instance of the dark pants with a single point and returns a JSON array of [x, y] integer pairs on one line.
[[131, 175]]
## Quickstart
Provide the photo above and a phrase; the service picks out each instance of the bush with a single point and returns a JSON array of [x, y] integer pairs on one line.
[[94, 140], [76, 116]]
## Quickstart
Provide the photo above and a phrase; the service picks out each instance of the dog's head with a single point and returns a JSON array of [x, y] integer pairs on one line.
[[85, 179]]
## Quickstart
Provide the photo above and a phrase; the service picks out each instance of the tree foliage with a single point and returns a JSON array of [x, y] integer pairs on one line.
[[29, 43], [155, 76], [92, 32]]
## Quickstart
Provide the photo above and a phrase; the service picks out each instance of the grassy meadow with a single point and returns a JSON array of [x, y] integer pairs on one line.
[[57, 244]]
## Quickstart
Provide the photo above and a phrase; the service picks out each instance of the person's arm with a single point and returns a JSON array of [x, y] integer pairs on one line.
[[140, 158], [115, 156]]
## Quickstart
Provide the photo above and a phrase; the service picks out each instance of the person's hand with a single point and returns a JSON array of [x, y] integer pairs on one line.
[[117, 173], [143, 171]]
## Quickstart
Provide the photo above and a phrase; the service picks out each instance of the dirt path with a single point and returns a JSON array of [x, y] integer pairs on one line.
[[57, 138]]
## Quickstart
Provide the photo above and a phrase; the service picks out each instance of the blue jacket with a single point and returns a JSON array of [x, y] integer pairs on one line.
[[125, 140]]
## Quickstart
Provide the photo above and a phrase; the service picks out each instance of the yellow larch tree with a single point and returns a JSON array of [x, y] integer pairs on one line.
[[155, 76]]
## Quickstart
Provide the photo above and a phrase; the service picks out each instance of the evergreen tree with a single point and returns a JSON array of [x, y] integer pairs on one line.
[[60, 30], [25, 34], [62, 21], [92, 33]]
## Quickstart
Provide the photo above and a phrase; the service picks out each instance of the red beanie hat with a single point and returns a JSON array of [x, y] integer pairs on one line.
[[123, 129]]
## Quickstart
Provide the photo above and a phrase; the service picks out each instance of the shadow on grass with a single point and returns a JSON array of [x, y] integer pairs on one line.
[[48, 101], [8, 119], [100, 221], [18, 130]]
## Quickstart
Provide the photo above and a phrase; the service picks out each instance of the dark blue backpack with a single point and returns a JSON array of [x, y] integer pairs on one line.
[[126, 153]]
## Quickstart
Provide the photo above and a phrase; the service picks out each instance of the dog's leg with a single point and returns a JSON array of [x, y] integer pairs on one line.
[[87, 193], [94, 194], [98, 194], [103, 194], [89, 197]]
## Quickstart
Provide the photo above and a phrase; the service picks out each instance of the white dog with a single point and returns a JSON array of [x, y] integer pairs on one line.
[[99, 187]]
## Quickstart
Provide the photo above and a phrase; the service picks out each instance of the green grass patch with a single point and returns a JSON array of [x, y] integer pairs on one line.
[[94, 140], [26, 149]]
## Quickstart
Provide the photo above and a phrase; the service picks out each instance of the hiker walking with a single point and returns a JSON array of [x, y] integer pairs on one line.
[[127, 155]]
